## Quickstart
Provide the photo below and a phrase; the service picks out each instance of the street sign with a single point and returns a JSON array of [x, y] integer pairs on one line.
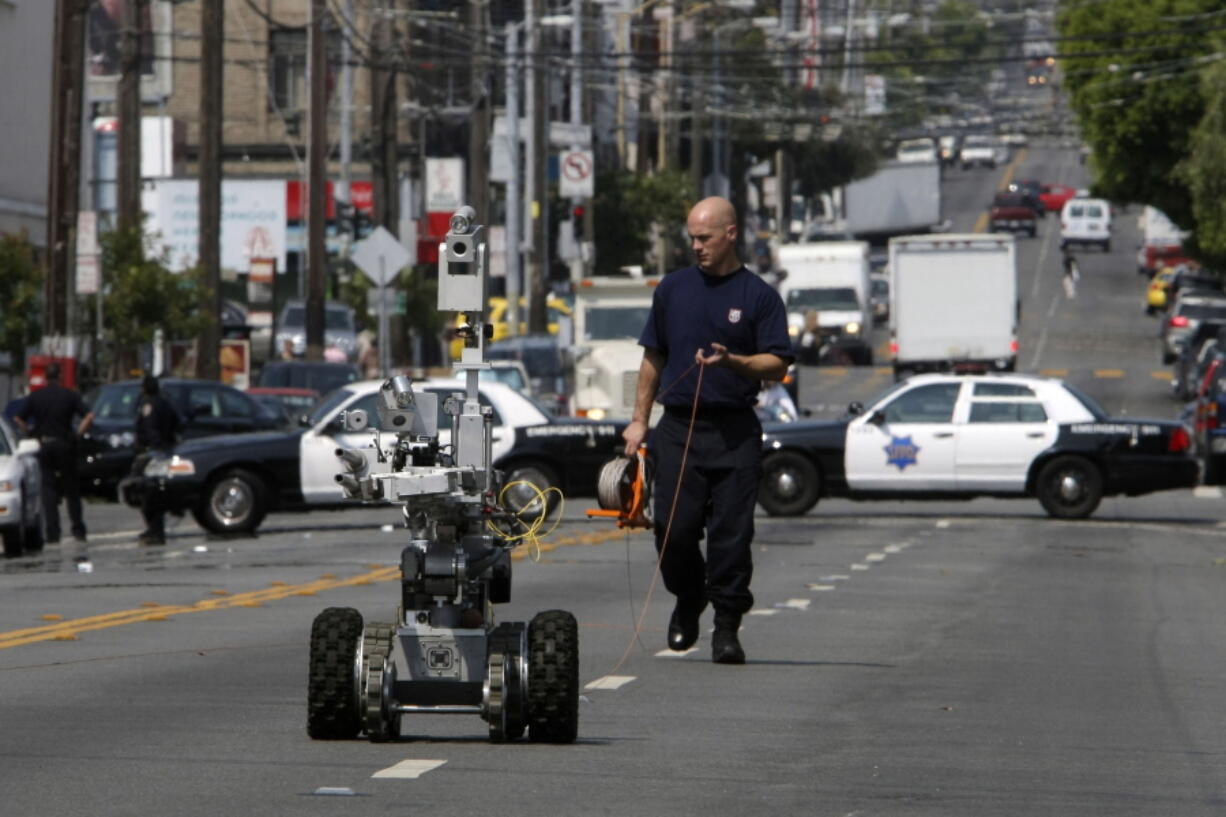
[[87, 275], [575, 172], [380, 256]]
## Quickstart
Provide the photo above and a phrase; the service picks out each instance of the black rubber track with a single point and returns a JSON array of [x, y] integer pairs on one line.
[[332, 706], [553, 677]]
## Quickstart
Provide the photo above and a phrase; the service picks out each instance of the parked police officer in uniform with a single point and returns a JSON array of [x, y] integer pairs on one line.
[[722, 320], [157, 428], [50, 412]]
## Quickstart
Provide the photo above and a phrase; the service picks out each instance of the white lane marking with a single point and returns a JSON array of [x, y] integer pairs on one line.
[[610, 682], [942, 523], [334, 791], [1207, 492], [793, 604], [813, 586], [834, 577], [762, 612], [860, 566], [875, 557], [893, 548], [667, 653], [409, 769]]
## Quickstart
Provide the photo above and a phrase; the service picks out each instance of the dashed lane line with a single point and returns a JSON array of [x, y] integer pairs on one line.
[[409, 769], [610, 682]]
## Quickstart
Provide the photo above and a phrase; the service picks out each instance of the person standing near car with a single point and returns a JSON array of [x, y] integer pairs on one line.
[[50, 411], [157, 428], [717, 329]]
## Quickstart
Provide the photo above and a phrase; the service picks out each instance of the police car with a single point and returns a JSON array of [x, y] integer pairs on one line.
[[944, 436], [230, 483]]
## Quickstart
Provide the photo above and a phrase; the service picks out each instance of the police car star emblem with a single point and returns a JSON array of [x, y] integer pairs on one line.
[[901, 452], [734, 316]]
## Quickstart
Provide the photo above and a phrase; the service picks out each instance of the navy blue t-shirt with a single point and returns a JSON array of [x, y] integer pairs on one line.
[[691, 310]]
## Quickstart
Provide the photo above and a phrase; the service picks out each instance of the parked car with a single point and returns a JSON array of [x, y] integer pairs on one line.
[[317, 375], [1054, 196], [1013, 212], [543, 359], [231, 483], [206, 408], [289, 402], [942, 436], [1190, 308], [21, 507], [1209, 419], [1194, 354], [1085, 221], [916, 150], [557, 310], [339, 328], [1157, 293]]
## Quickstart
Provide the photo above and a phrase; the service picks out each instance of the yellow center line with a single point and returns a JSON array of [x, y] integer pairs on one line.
[[1109, 373], [67, 630]]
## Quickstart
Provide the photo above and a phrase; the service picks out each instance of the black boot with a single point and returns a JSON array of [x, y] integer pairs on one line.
[[683, 626], [725, 648]]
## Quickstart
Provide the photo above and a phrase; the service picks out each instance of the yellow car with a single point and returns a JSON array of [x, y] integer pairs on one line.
[[1159, 287], [555, 310]]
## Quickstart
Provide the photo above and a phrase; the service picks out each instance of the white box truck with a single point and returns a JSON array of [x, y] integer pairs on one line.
[[901, 198], [953, 303], [609, 316], [827, 295]]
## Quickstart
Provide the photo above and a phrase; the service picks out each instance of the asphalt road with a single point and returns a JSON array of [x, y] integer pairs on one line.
[[915, 658]]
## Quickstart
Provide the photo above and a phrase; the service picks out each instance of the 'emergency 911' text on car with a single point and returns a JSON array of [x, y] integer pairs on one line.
[[960, 436], [230, 482]]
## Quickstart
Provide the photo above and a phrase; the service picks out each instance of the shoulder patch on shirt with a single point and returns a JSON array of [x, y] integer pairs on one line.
[[734, 316]]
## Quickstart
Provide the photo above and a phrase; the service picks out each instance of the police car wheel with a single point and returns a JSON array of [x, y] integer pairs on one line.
[[523, 500], [233, 503], [790, 484], [13, 546], [1070, 487]]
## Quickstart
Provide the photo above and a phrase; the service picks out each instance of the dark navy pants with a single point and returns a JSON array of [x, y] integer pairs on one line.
[[717, 495]]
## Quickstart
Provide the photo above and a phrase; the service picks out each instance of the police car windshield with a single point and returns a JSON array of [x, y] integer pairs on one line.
[[328, 404], [1089, 402], [840, 298], [615, 322]]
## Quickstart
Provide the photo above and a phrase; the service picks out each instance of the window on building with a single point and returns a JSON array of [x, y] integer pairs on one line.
[[287, 69]]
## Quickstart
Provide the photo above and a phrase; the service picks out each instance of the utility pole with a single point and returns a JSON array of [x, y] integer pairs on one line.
[[342, 191], [383, 110], [317, 251], [212, 27], [538, 270], [479, 119], [515, 198], [64, 159], [128, 97]]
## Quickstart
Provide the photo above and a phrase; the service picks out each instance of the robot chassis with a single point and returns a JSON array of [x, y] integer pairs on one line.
[[444, 653]]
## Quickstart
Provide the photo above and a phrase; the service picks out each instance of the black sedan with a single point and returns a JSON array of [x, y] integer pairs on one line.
[[205, 408], [230, 483], [960, 436]]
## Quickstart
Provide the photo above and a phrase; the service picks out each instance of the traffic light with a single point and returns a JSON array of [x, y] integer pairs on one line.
[[576, 222]]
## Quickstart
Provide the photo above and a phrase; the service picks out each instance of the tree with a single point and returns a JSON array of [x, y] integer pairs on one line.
[[1131, 84], [1204, 171], [20, 285], [143, 296], [625, 207]]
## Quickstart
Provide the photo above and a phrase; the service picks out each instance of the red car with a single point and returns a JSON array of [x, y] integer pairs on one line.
[[1054, 196]]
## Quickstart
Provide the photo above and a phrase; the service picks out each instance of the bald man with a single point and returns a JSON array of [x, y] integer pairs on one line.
[[719, 319]]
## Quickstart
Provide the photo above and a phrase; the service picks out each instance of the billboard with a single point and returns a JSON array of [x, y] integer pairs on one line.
[[252, 221]]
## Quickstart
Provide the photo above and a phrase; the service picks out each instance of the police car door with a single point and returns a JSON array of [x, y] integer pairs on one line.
[[906, 443], [1006, 428], [318, 464]]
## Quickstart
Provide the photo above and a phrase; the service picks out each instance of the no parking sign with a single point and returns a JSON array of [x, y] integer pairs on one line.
[[575, 172]]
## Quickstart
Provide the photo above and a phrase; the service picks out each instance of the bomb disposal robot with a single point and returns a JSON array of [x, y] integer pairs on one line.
[[443, 653]]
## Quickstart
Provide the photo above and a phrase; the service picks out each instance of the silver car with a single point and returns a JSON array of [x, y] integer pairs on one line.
[[339, 329], [1191, 307]]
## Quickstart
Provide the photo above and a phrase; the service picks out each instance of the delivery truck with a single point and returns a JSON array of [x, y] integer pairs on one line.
[[825, 287], [953, 303], [901, 198]]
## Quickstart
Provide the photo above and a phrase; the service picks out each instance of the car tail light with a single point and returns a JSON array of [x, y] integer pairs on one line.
[[894, 348], [1178, 321], [1013, 346], [1179, 441]]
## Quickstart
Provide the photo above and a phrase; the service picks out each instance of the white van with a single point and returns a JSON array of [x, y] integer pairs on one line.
[[1086, 221]]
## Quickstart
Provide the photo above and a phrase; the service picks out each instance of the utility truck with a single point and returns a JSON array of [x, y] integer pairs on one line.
[[954, 304], [609, 315], [901, 198], [826, 292]]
